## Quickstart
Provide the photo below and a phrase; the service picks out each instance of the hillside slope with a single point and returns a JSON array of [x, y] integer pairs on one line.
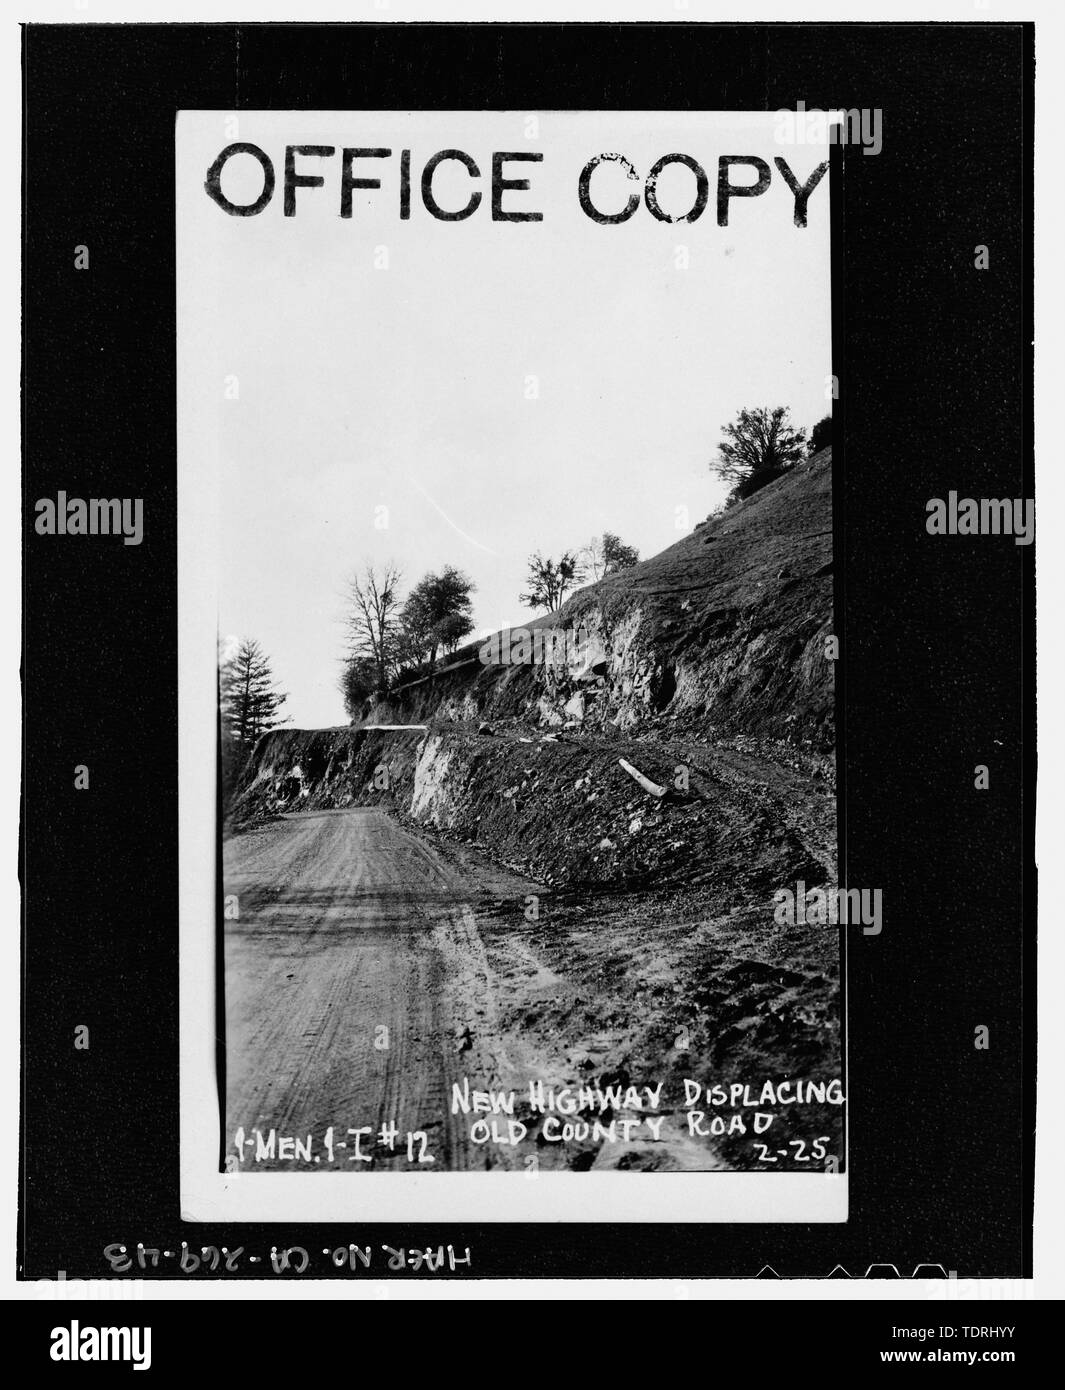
[[703, 667], [724, 631]]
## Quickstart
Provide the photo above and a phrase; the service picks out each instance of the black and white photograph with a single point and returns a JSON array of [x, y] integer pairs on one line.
[[528, 650], [517, 430]]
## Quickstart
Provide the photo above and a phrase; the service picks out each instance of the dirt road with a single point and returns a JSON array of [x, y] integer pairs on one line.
[[357, 990], [372, 967]]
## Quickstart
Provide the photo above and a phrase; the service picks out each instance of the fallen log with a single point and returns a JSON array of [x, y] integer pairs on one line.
[[652, 787]]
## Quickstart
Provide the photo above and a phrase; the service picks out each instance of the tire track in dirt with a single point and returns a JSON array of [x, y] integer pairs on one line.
[[350, 973]]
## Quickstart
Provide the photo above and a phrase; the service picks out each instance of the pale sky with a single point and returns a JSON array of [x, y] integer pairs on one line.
[[410, 387]]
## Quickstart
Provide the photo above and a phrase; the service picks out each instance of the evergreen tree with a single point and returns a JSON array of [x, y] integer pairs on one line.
[[249, 699]]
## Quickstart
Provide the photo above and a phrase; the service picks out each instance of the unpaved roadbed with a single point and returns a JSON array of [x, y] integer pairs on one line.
[[371, 968]]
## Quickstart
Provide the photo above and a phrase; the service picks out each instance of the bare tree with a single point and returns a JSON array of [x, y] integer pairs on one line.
[[373, 620], [550, 580]]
